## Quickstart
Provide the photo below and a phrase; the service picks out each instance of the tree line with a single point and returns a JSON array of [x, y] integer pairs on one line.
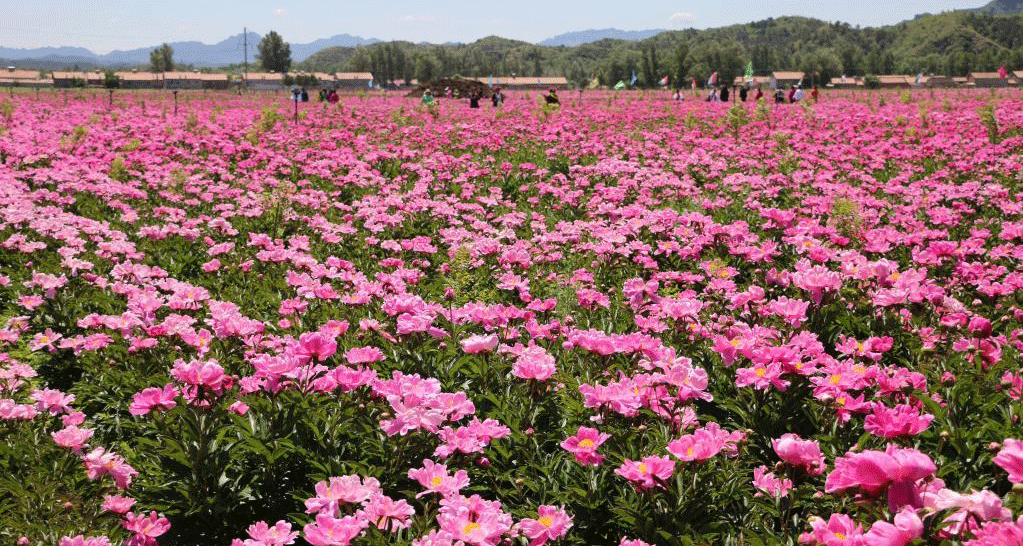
[[953, 44]]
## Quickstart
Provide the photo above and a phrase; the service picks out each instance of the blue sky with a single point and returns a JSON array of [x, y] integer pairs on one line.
[[127, 24]]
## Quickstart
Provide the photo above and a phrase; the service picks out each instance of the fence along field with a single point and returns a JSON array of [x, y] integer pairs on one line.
[[627, 320]]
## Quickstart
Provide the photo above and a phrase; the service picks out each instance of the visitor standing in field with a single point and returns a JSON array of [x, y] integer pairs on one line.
[[724, 93], [743, 93], [759, 95], [799, 95], [332, 96], [497, 98], [552, 97], [815, 94], [779, 96], [427, 99], [474, 99], [305, 95], [792, 93]]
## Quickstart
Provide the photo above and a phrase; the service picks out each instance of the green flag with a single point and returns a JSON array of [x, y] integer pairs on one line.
[[620, 85], [749, 71]]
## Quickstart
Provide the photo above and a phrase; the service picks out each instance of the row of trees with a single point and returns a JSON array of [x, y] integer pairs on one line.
[[274, 55], [953, 43]]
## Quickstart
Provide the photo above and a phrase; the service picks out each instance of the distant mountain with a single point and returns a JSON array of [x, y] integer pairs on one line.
[[590, 36], [223, 53], [1002, 7]]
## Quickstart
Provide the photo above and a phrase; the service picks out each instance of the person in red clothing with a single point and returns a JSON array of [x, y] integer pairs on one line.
[[759, 95], [814, 94], [792, 94]]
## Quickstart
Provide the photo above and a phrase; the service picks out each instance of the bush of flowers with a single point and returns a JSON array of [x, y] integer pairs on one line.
[[626, 321]]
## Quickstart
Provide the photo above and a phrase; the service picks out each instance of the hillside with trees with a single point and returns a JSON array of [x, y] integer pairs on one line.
[[953, 43]]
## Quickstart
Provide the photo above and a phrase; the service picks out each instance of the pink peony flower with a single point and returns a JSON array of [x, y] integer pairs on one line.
[[795, 451], [117, 504], [894, 471], [146, 528], [316, 345], [1010, 458], [261, 534], [99, 462], [584, 445], [906, 527], [480, 344], [552, 523], [153, 398], [534, 363], [648, 472], [72, 437], [330, 531], [435, 479]]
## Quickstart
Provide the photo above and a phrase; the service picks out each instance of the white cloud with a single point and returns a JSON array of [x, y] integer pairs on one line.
[[280, 12], [420, 17], [682, 17]]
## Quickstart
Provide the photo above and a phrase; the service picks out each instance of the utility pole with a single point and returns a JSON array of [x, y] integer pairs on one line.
[[245, 40]]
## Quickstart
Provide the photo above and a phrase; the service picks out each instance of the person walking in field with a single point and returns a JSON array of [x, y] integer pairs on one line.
[[724, 94], [815, 94], [427, 99], [792, 94], [332, 97], [759, 95], [497, 98], [474, 99], [743, 93], [799, 95]]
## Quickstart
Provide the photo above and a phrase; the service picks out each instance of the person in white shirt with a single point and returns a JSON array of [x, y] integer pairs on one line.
[[799, 94]]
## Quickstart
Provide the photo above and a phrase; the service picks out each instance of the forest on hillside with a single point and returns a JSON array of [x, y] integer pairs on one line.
[[952, 43]]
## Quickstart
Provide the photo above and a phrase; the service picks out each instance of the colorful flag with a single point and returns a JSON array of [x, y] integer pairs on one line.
[[713, 79], [665, 80], [920, 78], [620, 85], [634, 78], [595, 83], [1003, 73], [749, 71]]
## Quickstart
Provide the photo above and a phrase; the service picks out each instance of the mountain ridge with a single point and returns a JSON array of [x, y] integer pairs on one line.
[[595, 35], [223, 53]]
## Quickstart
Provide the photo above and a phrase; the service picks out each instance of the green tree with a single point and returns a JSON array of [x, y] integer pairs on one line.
[[274, 53], [161, 59]]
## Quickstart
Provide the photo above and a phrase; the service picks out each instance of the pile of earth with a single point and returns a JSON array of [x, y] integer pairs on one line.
[[462, 88]]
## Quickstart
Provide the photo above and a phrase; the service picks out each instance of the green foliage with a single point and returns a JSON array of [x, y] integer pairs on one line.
[[952, 43], [118, 169], [161, 59], [274, 53]]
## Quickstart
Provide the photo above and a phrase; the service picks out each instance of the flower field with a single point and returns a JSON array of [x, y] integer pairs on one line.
[[625, 321]]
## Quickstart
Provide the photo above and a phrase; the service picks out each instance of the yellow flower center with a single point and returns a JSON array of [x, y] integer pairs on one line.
[[436, 481], [689, 451], [896, 276], [470, 527], [545, 521], [586, 443], [836, 379], [44, 339], [642, 468], [860, 347], [761, 372], [841, 401], [840, 536], [735, 342]]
